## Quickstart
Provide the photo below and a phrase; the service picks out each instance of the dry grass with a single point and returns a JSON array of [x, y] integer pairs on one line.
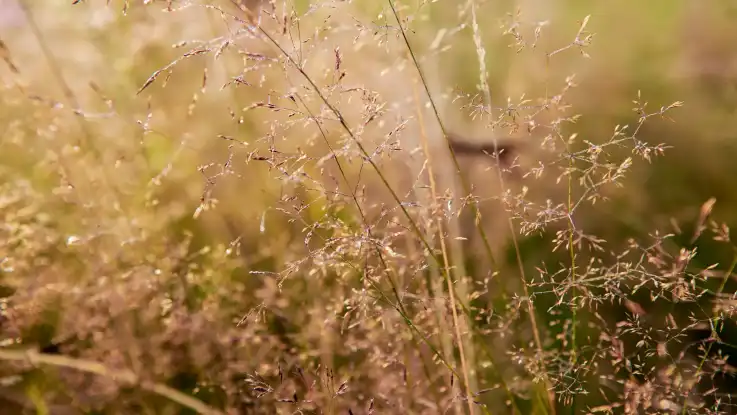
[[361, 207]]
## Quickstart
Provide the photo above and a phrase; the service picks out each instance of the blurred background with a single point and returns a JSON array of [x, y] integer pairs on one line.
[[143, 139]]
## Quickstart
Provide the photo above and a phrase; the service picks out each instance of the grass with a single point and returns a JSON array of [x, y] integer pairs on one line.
[[276, 207]]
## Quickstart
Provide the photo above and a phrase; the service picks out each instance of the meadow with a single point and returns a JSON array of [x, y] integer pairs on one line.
[[367, 207]]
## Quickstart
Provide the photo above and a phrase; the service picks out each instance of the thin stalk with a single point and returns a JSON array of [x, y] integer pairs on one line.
[[572, 254], [414, 227], [444, 250], [464, 183], [72, 101], [398, 306], [466, 188], [481, 54], [122, 376], [58, 75], [714, 321]]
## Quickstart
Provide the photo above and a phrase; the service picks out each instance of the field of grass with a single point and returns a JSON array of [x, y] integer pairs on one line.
[[367, 207]]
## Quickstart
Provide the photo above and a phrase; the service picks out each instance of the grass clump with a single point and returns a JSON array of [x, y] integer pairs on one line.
[[354, 207]]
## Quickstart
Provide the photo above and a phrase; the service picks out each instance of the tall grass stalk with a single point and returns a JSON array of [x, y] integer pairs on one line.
[[415, 228], [486, 90], [124, 377]]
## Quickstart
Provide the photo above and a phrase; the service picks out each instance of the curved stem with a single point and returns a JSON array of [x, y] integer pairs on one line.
[[122, 376]]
